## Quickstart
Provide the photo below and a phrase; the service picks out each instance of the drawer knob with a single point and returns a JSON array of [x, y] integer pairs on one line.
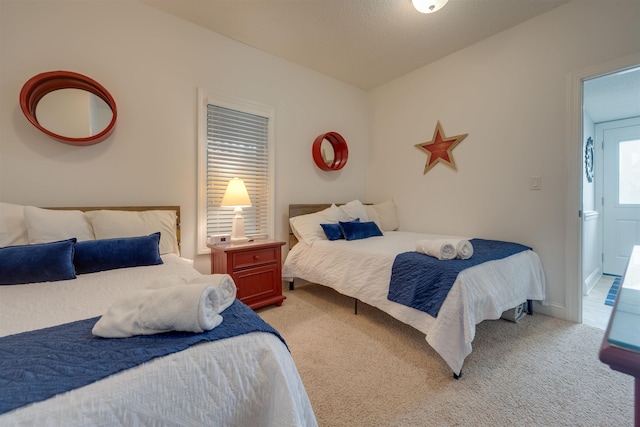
[[256, 257]]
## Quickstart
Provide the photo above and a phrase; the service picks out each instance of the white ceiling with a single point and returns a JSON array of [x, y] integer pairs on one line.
[[367, 43], [614, 96], [362, 42]]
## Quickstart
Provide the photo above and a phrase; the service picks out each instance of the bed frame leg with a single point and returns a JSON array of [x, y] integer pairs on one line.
[[457, 376], [291, 284], [355, 306], [529, 307]]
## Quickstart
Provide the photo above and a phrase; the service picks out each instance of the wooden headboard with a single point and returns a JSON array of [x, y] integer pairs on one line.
[[303, 209], [129, 208]]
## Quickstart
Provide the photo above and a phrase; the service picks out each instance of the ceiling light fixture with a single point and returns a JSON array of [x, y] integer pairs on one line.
[[428, 6]]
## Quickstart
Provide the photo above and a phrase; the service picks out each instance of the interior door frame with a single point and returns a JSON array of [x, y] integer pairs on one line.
[[575, 159]]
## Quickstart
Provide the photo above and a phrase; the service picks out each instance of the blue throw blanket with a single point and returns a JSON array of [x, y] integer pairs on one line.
[[423, 282], [37, 365]]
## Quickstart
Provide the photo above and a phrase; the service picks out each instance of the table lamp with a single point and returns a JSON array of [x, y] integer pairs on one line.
[[236, 196]]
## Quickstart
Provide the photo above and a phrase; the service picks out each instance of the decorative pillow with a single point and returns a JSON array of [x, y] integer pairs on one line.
[[13, 228], [359, 230], [352, 210], [49, 225], [109, 254], [110, 224], [333, 231], [307, 228], [42, 262], [384, 215]]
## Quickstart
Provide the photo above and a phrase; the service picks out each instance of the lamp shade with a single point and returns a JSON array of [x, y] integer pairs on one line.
[[236, 194], [428, 6]]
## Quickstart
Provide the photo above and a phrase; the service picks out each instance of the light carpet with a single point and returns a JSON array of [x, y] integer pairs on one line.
[[371, 370]]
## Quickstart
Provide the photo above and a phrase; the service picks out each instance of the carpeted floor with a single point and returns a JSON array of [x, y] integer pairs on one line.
[[371, 370], [613, 292]]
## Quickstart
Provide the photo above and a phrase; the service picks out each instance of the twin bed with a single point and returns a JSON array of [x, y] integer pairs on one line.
[[362, 268], [248, 379]]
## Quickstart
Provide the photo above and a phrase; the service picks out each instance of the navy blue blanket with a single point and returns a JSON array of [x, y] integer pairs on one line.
[[423, 282], [37, 365]]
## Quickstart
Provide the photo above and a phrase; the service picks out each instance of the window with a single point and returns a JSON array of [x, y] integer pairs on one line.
[[235, 139]]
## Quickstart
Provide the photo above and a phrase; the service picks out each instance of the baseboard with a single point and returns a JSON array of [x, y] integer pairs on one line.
[[553, 310], [591, 281]]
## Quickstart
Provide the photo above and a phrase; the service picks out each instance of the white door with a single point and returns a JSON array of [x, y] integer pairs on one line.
[[621, 199]]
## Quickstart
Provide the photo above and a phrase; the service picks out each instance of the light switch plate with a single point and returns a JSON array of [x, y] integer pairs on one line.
[[536, 183]]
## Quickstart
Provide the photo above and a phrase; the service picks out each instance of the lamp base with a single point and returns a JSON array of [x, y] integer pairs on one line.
[[237, 229]]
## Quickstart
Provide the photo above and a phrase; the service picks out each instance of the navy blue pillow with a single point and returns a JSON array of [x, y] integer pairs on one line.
[[109, 254], [333, 231], [41, 262], [359, 230]]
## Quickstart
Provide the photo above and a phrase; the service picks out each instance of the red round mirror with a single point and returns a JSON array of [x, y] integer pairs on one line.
[[69, 107]]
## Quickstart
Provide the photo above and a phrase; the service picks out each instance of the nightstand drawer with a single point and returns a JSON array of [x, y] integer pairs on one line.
[[256, 284], [254, 257]]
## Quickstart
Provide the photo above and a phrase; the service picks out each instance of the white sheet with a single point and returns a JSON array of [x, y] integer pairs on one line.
[[362, 269], [246, 380]]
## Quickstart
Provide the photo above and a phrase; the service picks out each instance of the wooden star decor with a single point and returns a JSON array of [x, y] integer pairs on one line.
[[439, 148]]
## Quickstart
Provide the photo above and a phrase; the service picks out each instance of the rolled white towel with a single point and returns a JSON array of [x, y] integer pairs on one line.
[[187, 308], [442, 249], [226, 289], [464, 249]]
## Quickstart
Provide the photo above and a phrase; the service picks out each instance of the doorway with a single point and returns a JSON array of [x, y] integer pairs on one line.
[[621, 192], [611, 189]]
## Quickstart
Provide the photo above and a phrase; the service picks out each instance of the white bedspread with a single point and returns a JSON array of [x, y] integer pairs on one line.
[[245, 380], [362, 269]]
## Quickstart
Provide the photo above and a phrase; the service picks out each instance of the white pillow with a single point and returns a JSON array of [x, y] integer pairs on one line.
[[373, 215], [49, 225], [307, 228], [385, 215], [353, 210], [13, 228], [109, 224]]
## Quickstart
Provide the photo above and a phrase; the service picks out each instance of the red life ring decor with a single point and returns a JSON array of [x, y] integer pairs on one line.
[[337, 158]]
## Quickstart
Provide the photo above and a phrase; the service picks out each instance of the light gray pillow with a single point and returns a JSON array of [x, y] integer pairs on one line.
[[13, 228], [110, 224], [49, 225], [384, 215]]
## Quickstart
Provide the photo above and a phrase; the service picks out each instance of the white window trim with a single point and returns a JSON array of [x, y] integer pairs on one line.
[[205, 97]]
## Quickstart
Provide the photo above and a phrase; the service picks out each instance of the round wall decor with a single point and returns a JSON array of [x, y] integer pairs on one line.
[[588, 159], [95, 111], [330, 151]]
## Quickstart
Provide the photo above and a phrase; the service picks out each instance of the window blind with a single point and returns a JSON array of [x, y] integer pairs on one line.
[[237, 145]]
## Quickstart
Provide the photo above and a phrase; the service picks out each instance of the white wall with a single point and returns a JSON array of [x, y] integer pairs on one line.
[[591, 218], [152, 64], [510, 93], [588, 188]]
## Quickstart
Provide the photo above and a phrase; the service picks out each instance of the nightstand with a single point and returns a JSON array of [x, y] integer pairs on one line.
[[255, 267]]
